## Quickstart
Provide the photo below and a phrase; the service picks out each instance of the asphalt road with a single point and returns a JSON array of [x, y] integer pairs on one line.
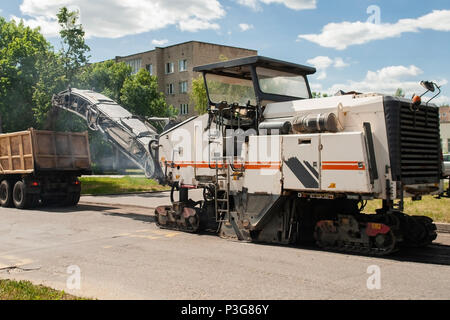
[[121, 254]]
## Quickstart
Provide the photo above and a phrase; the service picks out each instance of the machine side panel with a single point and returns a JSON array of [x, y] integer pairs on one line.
[[263, 167], [301, 162], [184, 153], [344, 169]]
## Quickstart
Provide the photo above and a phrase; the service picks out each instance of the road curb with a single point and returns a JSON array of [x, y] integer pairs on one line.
[[443, 227]]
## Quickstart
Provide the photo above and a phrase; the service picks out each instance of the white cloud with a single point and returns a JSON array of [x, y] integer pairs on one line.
[[291, 4], [316, 87], [387, 80], [253, 4], [339, 63], [160, 42], [193, 25], [49, 28], [117, 18], [245, 26], [440, 100], [344, 34], [322, 63]]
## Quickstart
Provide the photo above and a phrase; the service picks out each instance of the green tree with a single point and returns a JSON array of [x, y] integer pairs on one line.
[[198, 95], [140, 95], [400, 93], [105, 77], [21, 51], [51, 79], [56, 71], [317, 95], [74, 49]]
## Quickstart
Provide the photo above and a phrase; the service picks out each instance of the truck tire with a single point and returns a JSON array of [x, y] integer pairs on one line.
[[6, 194], [72, 199], [21, 199]]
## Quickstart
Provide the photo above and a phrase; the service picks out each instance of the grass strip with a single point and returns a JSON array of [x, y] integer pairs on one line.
[[25, 290], [109, 185]]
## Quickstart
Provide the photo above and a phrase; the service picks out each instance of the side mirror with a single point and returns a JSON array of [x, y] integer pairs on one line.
[[428, 85]]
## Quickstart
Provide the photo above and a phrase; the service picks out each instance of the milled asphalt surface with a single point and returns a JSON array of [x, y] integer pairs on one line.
[[123, 255]]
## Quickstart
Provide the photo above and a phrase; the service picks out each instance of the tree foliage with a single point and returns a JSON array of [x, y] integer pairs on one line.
[[399, 93], [22, 51], [198, 95], [105, 77], [317, 95], [140, 95], [74, 49]]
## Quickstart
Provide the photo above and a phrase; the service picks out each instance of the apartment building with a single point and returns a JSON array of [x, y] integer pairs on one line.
[[444, 115], [173, 67]]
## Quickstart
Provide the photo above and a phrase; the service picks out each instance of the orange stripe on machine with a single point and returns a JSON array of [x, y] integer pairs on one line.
[[248, 165], [343, 165]]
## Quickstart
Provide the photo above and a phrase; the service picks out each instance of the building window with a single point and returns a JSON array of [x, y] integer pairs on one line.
[[448, 145], [169, 67], [170, 88], [135, 65], [183, 87], [149, 68], [182, 65], [184, 108]]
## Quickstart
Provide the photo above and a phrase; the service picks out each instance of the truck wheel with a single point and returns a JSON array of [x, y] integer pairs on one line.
[[21, 199], [72, 199], [6, 194]]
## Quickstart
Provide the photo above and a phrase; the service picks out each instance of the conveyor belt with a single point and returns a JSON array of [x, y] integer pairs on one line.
[[131, 135]]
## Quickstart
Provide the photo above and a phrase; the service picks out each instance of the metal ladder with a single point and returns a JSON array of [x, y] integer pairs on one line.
[[222, 212]]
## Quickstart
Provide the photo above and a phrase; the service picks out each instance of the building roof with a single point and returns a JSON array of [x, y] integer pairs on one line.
[[182, 43]]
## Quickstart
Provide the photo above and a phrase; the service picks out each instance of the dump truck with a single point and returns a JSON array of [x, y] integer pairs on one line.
[[38, 166]]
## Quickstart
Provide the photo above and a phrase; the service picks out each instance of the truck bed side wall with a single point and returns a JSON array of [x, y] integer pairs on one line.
[[16, 153], [61, 151], [33, 151]]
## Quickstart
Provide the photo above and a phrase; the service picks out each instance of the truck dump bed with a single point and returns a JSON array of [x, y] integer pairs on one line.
[[33, 151]]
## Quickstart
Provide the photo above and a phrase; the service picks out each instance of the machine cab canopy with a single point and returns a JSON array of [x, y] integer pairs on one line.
[[255, 79]]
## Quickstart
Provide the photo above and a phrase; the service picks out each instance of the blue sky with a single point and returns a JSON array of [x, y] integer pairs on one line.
[[408, 43]]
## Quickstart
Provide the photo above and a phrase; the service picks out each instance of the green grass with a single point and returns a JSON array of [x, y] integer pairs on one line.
[[25, 290], [108, 185], [134, 171], [436, 209]]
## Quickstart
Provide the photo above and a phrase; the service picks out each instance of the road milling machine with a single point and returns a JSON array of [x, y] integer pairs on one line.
[[277, 166], [280, 167]]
